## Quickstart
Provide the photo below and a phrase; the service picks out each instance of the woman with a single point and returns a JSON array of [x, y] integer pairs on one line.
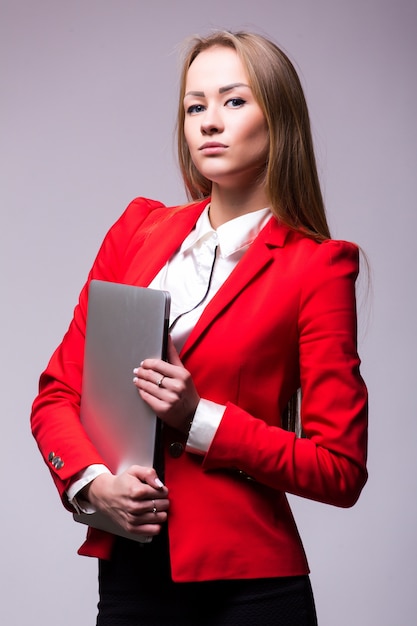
[[263, 304]]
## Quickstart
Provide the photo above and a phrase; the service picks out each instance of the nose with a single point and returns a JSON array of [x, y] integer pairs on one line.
[[211, 122]]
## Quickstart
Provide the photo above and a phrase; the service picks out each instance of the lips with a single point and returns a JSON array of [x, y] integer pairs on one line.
[[212, 147], [212, 144]]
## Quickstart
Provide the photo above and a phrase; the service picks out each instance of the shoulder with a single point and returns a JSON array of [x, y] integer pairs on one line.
[[329, 255], [145, 212], [137, 211], [337, 257], [328, 277]]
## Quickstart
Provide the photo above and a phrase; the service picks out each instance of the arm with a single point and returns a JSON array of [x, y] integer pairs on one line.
[[328, 465], [55, 414]]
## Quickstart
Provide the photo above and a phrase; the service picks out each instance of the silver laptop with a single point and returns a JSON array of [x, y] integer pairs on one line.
[[125, 325]]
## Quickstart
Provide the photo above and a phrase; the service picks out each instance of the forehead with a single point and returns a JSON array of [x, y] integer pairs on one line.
[[216, 66]]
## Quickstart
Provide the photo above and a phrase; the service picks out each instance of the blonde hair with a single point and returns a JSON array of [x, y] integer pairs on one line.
[[291, 178]]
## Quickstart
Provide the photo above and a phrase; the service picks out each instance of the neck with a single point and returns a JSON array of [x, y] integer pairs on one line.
[[227, 204]]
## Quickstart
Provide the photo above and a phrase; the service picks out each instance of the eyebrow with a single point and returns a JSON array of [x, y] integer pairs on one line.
[[225, 89]]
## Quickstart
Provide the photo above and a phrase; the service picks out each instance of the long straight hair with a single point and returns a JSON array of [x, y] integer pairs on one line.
[[290, 175]]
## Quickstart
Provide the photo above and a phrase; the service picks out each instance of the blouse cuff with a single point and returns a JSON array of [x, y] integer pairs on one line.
[[204, 426], [82, 479]]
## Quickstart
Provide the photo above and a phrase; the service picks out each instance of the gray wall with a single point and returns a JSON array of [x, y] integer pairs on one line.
[[88, 96]]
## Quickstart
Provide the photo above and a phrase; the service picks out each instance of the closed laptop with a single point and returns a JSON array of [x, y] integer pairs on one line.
[[125, 325]]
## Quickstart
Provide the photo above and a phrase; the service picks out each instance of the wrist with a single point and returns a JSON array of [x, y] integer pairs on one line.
[[90, 493]]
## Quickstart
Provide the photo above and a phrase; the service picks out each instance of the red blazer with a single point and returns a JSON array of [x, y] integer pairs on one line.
[[284, 318]]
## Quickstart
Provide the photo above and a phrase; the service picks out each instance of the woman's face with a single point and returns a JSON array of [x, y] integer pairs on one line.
[[224, 126]]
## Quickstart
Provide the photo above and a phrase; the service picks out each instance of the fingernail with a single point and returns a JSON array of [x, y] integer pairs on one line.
[[159, 482], [135, 371], [135, 380]]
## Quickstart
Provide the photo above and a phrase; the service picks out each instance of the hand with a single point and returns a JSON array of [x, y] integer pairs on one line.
[[136, 499], [168, 389]]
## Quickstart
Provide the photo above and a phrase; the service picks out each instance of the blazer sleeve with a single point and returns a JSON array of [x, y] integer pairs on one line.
[[55, 420], [329, 464]]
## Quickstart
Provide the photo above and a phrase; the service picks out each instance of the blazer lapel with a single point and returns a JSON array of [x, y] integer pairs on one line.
[[162, 242], [260, 254]]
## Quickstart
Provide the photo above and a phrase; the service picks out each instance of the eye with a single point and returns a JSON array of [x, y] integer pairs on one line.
[[194, 108], [235, 103]]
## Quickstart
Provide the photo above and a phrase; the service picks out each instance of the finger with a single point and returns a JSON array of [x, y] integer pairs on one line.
[[157, 395], [147, 523], [152, 519], [148, 476], [149, 382], [157, 506], [150, 378], [136, 520], [146, 511], [148, 530], [158, 404], [149, 366]]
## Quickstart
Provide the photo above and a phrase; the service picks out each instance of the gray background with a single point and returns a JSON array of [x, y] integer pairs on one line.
[[88, 99]]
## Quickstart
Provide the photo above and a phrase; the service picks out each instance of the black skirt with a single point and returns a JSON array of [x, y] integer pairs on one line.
[[136, 589]]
